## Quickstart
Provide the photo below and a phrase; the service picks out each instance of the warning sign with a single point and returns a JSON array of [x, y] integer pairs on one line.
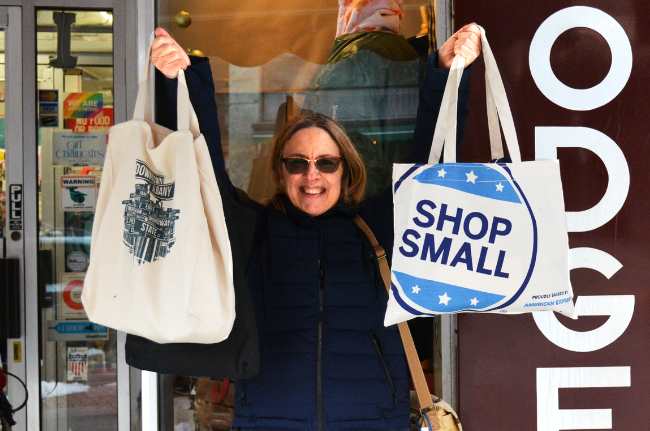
[[72, 284], [77, 364], [78, 192]]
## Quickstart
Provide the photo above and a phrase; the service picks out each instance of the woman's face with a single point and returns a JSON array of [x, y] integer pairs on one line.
[[313, 192]]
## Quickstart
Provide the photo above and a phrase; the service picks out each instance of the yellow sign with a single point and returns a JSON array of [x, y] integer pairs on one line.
[[18, 351]]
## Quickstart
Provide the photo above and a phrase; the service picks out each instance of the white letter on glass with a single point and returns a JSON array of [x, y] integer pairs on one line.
[[539, 58], [549, 380], [620, 308], [549, 139]]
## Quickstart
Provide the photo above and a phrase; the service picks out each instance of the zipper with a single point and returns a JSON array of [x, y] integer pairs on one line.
[[319, 382], [380, 352], [243, 394], [319, 353]]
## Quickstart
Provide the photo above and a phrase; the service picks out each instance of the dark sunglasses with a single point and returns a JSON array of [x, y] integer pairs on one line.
[[298, 165]]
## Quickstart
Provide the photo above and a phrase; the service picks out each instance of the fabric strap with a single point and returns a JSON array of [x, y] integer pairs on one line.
[[498, 109], [417, 374], [186, 118]]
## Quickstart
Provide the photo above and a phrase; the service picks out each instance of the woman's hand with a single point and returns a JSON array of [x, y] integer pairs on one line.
[[167, 55], [465, 42]]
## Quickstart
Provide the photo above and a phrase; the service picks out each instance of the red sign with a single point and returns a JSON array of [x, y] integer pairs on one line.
[[67, 294], [577, 87], [71, 307], [102, 122]]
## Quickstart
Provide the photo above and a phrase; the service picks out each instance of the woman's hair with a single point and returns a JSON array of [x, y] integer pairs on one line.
[[354, 174]]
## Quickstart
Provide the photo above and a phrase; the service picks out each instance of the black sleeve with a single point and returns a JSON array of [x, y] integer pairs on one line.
[[201, 89], [431, 92]]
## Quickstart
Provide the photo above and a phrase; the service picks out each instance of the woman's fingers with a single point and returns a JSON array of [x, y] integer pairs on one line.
[[468, 43], [467, 48], [162, 32], [170, 68], [465, 42], [167, 55]]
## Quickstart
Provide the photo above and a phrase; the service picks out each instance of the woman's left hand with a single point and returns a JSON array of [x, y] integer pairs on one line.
[[465, 42], [167, 55]]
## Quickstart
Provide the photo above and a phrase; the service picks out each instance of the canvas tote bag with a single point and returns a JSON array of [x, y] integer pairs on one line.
[[475, 237], [161, 263]]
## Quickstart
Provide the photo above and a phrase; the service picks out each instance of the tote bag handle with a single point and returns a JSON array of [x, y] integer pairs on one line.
[[498, 108], [185, 116]]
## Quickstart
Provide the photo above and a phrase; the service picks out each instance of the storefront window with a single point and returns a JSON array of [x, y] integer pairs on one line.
[[75, 95], [272, 60]]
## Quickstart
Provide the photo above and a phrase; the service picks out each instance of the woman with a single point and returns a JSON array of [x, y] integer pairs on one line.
[[326, 360]]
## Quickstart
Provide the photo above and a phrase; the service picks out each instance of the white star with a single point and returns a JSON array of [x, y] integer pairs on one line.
[[441, 173], [444, 299], [499, 187], [471, 178], [416, 289], [474, 301]]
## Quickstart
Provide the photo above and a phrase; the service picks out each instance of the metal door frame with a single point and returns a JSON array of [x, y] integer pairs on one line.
[[21, 137], [11, 18]]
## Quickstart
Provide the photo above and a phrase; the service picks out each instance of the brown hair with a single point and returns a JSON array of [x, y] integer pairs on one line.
[[354, 174]]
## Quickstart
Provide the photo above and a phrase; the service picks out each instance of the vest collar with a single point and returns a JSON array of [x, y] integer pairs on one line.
[[301, 217]]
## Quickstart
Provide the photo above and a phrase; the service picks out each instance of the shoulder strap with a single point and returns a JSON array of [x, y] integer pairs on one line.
[[420, 384]]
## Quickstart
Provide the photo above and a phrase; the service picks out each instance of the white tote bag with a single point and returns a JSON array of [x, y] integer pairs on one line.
[[160, 264], [475, 237]]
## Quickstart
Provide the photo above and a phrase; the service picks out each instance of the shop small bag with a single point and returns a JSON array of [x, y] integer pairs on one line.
[[161, 262], [475, 237]]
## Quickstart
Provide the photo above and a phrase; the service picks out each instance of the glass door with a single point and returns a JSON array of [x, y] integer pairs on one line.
[[79, 359]]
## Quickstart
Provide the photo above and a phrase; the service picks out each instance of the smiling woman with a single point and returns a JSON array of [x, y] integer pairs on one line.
[[314, 191], [327, 362]]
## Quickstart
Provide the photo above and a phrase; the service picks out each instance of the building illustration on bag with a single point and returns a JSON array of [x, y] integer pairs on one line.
[[149, 226]]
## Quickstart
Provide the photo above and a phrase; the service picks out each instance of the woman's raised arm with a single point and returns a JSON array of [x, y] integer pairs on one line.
[[169, 58]]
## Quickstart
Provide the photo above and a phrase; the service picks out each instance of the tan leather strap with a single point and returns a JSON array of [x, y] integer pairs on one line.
[[419, 382]]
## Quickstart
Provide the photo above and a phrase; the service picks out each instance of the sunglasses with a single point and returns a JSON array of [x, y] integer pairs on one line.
[[298, 165]]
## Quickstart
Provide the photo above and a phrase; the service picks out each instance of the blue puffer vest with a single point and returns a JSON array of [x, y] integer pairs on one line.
[[326, 360]]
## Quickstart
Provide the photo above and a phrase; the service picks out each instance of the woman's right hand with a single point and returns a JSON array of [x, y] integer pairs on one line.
[[167, 55], [465, 42]]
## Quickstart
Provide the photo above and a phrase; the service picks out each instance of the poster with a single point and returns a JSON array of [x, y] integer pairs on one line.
[[101, 122], [70, 306], [82, 105], [78, 149], [78, 227], [48, 108], [78, 192], [77, 364], [75, 330]]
